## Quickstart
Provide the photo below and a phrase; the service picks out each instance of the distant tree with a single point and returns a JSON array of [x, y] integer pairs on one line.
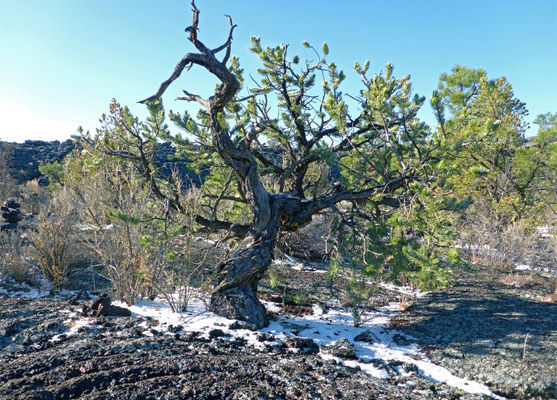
[[538, 162], [291, 148], [482, 123]]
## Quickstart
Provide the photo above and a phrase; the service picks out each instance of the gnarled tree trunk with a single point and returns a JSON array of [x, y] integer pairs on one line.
[[235, 293]]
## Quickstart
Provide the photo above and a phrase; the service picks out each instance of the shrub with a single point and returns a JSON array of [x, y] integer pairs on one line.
[[118, 248], [147, 247], [113, 211], [360, 292], [494, 241], [54, 243], [34, 196], [149, 250], [14, 262], [175, 256]]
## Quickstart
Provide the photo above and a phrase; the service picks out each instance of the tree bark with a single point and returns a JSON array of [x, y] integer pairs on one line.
[[235, 292]]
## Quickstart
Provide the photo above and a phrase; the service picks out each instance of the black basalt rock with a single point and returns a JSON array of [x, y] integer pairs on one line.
[[342, 348], [240, 303], [11, 214], [12, 203], [102, 306]]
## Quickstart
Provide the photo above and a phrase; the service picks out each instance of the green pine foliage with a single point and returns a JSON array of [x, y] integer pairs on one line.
[[396, 190], [481, 123], [399, 222]]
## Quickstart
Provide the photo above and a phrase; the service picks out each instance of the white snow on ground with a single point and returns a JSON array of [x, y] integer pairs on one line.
[[546, 231], [483, 249], [76, 326], [526, 267], [89, 227], [325, 327], [406, 290], [297, 264], [22, 290], [31, 292]]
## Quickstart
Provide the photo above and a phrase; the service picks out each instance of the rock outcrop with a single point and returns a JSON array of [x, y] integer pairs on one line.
[[28, 156]]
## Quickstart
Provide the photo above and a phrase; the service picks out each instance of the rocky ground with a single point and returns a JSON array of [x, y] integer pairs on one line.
[[476, 329], [495, 326], [118, 361]]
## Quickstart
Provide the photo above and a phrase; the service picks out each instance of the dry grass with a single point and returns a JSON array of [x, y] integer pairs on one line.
[[551, 298], [516, 279], [493, 242], [14, 259], [54, 243], [34, 197]]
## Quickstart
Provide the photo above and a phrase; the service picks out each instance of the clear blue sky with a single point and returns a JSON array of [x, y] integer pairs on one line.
[[62, 61]]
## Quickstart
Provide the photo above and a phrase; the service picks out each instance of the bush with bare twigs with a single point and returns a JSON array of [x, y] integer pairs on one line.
[[54, 242], [491, 240], [34, 196], [15, 263], [147, 247]]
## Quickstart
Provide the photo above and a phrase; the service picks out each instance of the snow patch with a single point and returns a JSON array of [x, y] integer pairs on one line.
[[76, 326], [546, 231], [324, 327], [406, 290]]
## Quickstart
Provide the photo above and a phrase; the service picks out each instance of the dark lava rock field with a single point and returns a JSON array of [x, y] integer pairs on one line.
[[115, 360], [476, 329], [492, 327], [26, 158]]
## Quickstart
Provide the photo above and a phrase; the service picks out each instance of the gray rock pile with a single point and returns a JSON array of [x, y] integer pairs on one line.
[[11, 214]]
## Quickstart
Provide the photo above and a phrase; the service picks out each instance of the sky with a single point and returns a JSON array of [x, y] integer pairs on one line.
[[62, 61]]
